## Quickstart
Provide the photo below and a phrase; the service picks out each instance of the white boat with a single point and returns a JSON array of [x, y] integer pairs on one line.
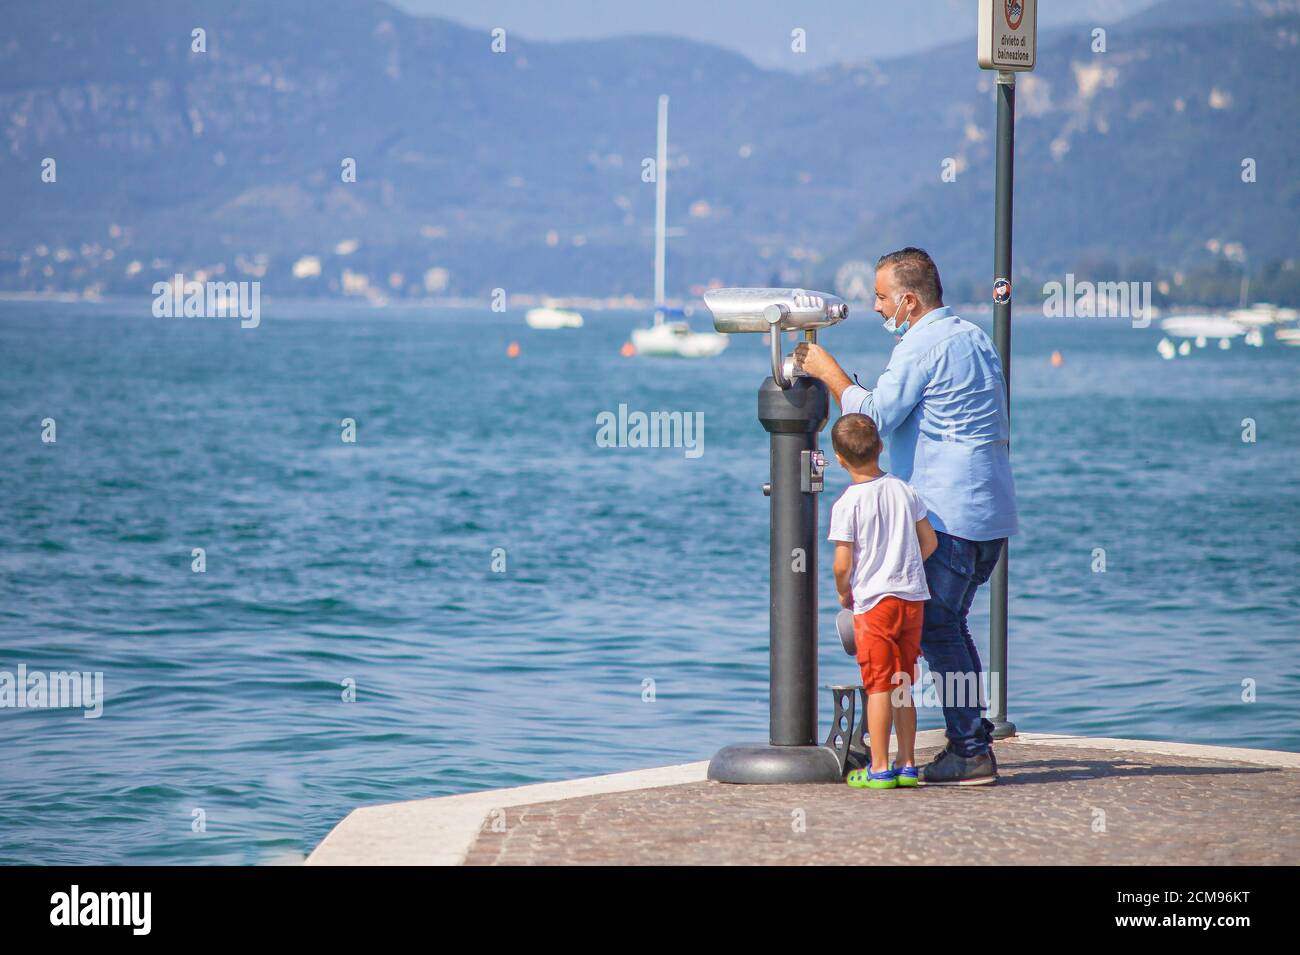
[[1288, 336], [1198, 326], [675, 339], [669, 339], [547, 317], [1257, 316]]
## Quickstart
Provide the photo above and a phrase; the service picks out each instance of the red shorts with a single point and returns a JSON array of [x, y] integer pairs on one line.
[[889, 642]]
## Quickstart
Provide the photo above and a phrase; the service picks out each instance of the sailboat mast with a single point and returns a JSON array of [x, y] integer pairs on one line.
[[661, 202]]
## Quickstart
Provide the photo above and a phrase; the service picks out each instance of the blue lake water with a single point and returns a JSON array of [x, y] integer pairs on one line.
[[372, 562]]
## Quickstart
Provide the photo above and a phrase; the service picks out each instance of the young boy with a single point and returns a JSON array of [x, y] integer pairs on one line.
[[882, 538]]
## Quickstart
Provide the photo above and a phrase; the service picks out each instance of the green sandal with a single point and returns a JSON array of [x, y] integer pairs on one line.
[[907, 776], [865, 779]]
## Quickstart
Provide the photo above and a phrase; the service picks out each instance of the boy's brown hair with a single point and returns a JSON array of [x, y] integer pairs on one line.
[[855, 438]]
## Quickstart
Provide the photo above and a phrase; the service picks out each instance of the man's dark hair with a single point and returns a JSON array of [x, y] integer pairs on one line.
[[855, 438], [915, 272]]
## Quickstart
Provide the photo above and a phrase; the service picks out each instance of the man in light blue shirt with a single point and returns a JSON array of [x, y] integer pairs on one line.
[[941, 408]]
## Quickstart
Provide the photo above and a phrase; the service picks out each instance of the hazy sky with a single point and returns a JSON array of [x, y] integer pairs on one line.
[[837, 30]]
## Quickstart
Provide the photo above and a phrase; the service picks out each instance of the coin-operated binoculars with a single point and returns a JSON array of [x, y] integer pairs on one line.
[[793, 408]]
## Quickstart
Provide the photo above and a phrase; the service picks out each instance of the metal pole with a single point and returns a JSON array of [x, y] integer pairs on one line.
[[792, 616], [792, 613], [661, 205], [1006, 87]]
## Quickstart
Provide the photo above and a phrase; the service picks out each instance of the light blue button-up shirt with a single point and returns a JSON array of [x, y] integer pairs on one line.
[[941, 408]]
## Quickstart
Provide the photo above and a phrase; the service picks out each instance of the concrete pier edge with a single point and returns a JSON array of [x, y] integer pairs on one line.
[[441, 830]]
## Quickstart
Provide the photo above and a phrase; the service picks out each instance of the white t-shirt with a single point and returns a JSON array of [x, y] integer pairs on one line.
[[879, 518]]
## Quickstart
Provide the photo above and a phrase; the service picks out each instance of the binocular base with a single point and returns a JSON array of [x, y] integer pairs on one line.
[[759, 763]]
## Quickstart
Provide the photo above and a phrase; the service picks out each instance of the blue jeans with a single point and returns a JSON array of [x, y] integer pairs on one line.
[[953, 573]]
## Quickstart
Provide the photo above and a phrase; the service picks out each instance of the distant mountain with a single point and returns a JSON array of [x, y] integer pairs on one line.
[[1188, 12], [1134, 155], [522, 170]]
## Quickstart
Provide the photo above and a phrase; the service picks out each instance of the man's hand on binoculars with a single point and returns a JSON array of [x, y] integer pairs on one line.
[[813, 359], [817, 362]]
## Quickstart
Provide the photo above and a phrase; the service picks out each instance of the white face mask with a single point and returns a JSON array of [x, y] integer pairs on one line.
[[891, 324]]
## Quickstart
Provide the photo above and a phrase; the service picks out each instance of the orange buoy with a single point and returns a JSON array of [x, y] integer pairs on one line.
[[628, 350], [1057, 360], [512, 350]]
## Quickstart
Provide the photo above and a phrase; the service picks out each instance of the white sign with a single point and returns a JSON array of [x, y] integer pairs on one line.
[[1008, 30]]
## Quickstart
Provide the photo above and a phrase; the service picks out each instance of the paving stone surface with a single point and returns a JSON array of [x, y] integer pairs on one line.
[[1053, 805]]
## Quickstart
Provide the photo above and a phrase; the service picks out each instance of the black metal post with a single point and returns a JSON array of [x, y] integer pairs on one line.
[[792, 614], [1006, 88], [793, 417]]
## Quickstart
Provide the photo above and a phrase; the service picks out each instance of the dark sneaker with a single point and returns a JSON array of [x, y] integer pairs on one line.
[[949, 769]]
